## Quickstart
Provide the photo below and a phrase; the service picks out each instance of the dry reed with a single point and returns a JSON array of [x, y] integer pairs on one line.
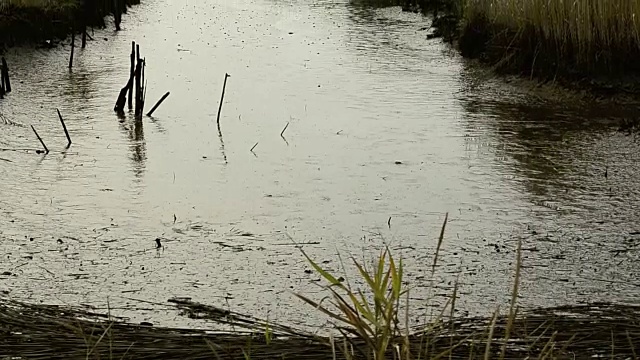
[[53, 332], [587, 37]]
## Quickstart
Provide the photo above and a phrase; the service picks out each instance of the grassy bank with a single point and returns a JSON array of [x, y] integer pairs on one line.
[[587, 44], [24, 21], [592, 43]]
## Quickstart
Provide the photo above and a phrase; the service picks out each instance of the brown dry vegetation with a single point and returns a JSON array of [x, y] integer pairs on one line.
[[540, 37]]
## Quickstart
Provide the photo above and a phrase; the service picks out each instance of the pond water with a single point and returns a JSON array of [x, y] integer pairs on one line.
[[382, 124]]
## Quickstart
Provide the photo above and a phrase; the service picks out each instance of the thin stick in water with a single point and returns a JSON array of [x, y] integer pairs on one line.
[[5, 70], [65, 129], [132, 73], [158, 103], [285, 129], [254, 146], [224, 85], [46, 150], [73, 46]]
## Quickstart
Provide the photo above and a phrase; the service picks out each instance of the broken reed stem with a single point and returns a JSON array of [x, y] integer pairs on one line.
[[46, 150], [144, 98], [122, 97], [132, 72], [138, 87], [117, 15], [285, 129], [254, 146], [224, 85], [65, 129], [158, 103], [73, 46], [5, 76]]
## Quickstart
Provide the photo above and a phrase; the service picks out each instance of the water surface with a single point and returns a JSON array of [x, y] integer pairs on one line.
[[382, 124]]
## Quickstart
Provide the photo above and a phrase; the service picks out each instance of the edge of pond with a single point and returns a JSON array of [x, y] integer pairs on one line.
[[47, 25]]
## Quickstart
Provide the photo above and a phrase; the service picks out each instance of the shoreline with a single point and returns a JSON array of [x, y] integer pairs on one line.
[[48, 23], [523, 49]]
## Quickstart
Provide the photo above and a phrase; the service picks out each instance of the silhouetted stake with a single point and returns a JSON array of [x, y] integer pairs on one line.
[[132, 72], [138, 52], [117, 15], [84, 36], [5, 73], [122, 98], [65, 129], [283, 130], [158, 103], [73, 46], [46, 151], [138, 88], [143, 83], [144, 98], [224, 85]]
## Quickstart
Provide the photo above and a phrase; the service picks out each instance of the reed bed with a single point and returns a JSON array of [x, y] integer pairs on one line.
[[554, 38], [30, 331], [41, 4]]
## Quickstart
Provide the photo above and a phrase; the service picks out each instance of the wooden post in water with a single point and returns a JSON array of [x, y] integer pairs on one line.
[[143, 84], [132, 73], [224, 85], [73, 46], [122, 97], [117, 15], [5, 76], [158, 104], [138, 88], [66, 133], [46, 151], [2, 90], [85, 18]]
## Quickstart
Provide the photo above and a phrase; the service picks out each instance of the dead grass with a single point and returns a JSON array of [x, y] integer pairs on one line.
[[588, 37], [368, 323], [57, 5]]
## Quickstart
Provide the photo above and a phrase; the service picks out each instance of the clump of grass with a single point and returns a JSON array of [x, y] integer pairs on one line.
[[372, 317], [564, 38]]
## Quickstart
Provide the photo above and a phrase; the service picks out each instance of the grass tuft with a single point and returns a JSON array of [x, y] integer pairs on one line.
[[371, 317]]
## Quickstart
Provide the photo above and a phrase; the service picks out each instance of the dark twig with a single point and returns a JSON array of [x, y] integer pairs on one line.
[[283, 130], [73, 46], [158, 103], [254, 146], [46, 150], [132, 72], [224, 85], [122, 97], [5, 73], [65, 129]]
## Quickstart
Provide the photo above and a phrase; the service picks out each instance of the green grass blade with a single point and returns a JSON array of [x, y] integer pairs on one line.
[[322, 308], [330, 278]]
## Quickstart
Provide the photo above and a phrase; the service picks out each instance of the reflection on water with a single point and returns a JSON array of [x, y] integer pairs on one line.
[[382, 123], [579, 173]]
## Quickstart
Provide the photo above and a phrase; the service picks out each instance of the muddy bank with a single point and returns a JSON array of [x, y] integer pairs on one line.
[[47, 23], [59, 332]]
